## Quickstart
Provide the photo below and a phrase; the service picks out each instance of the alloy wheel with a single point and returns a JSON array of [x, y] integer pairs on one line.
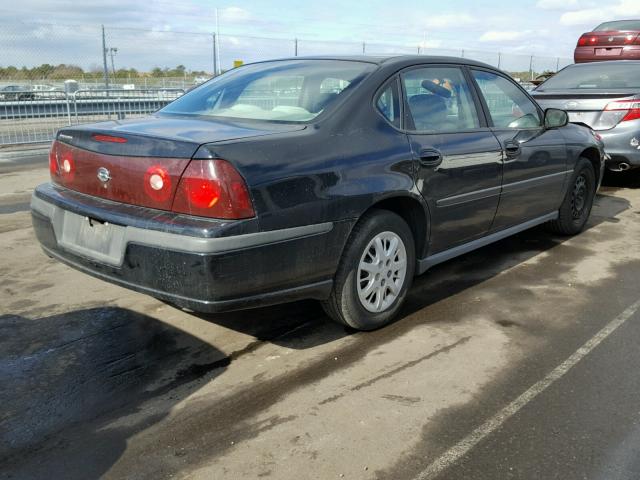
[[382, 272]]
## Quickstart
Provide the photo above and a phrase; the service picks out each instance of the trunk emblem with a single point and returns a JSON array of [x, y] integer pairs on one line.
[[610, 39], [103, 175], [570, 105]]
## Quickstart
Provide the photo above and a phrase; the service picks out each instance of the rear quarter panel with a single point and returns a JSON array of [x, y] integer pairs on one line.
[[325, 173], [579, 138]]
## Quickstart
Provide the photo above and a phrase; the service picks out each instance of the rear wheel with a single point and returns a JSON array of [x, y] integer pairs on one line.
[[375, 272], [576, 207]]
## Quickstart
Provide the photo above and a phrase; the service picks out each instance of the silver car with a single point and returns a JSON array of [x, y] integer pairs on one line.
[[606, 97]]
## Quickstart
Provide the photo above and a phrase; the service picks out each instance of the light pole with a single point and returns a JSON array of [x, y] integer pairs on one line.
[[112, 53]]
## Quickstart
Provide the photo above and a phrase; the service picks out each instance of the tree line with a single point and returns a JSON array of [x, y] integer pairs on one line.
[[64, 71]]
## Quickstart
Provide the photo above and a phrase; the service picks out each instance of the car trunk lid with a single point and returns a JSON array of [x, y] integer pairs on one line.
[[140, 162], [589, 108]]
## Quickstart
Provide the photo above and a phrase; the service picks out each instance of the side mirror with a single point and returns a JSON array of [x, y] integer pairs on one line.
[[555, 118]]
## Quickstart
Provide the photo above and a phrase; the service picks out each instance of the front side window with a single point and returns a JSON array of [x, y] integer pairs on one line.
[[508, 105], [439, 100], [290, 91]]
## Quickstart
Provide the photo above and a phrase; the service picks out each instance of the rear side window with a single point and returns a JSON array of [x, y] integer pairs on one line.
[[508, 105], [388, 103], [439, 100]]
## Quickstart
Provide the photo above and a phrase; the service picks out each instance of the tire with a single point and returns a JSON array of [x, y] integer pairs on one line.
[[576, 206], [368, 254]]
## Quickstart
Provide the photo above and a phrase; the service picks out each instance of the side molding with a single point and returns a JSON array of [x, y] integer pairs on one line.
[[425, 264]]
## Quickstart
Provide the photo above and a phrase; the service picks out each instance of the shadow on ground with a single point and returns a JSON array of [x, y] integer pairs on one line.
[[617, 180], [69, 369]]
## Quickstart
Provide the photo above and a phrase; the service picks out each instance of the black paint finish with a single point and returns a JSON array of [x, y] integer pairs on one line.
[[346, 161]]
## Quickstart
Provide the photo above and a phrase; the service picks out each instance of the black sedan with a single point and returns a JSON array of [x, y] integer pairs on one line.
[[337, 179]]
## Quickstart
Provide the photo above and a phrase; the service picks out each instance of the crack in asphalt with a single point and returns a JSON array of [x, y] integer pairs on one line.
[[396, 370]]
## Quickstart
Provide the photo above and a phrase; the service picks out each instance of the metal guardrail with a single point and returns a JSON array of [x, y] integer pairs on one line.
[[38, 119]]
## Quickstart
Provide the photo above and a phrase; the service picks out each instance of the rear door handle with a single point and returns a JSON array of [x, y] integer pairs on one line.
[[511, 149], [430, 157]]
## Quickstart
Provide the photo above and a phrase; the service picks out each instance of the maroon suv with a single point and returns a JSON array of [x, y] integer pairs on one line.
[[619, 40]]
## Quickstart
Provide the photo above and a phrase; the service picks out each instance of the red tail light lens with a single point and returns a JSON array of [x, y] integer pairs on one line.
[[587, 40], [53, 161], [631, 106], [213, 188], [61, 164]]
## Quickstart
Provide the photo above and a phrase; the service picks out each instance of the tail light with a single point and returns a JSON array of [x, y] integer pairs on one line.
[[628, 109], [62, 165], [54, 169], [213, 188], [585, 40]]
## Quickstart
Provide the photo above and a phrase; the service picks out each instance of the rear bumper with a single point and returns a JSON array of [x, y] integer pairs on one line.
[[193, 263], [622, 143]]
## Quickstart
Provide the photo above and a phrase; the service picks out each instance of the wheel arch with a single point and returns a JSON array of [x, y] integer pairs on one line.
[[414, 212], [593, 155]]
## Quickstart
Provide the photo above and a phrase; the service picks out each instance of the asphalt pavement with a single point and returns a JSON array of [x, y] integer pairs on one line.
[[517, 361]]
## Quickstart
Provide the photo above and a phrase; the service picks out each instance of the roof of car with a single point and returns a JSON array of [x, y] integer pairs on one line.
[[399, 60]]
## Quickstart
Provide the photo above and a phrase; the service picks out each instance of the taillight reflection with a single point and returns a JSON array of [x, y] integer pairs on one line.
[[157, 183]]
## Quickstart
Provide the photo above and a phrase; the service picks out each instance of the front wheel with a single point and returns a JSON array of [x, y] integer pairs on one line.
[[576, 206], [375, 272]]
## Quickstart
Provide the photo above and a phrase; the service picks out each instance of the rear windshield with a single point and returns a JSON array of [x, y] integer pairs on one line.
[[290, 91], [595, 76], [621, 25]]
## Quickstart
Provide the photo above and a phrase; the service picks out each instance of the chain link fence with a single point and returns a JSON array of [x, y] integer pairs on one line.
[[37, 59]]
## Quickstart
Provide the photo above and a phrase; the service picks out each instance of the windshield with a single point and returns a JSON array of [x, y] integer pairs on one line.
[[621, 25], [595, 76], [291, 90]]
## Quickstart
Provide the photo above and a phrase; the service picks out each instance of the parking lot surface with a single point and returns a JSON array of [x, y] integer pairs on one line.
[[515, 361]]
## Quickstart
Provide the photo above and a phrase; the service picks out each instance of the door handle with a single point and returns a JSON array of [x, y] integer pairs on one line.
[[511, 149], [430, 157]]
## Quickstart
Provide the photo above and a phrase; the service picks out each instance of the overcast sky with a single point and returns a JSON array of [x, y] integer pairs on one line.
[[69, 30]]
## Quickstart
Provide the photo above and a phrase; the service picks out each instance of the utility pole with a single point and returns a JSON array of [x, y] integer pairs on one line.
[[531, 67], [295, 47], [364, 47], [218, 43], [214, 58], [104, 60], [499, 59]]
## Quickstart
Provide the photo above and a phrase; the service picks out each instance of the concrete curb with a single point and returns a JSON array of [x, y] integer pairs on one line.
[[16, 153]]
